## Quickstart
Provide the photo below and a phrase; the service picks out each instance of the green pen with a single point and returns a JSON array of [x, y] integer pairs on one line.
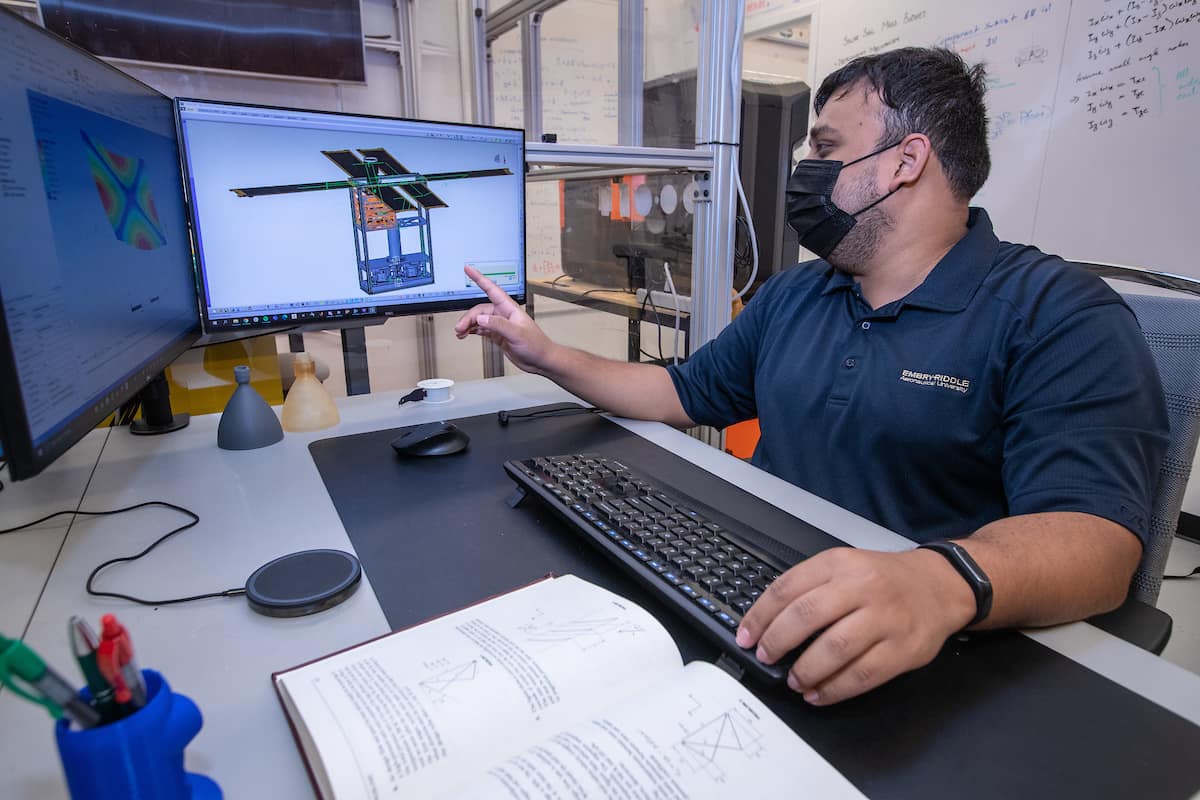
[[83, 644], [24, 671]]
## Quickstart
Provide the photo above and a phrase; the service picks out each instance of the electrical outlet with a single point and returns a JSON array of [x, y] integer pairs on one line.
[[665, 301]]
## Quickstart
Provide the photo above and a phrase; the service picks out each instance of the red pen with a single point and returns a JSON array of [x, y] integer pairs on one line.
[[110, 668], [113, 631]]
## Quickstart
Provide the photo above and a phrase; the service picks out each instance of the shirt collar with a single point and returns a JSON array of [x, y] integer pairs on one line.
[[952, 283]]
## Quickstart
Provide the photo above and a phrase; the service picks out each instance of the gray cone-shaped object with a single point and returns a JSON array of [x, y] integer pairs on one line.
[[247, 421]]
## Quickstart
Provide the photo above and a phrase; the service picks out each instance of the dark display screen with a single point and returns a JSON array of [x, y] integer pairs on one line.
[[320, 39]]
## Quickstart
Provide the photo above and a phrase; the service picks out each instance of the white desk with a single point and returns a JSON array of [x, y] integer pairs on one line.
[[256, 505], [27, 556]]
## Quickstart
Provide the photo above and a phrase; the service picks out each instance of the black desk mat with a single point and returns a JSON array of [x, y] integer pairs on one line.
[[998, 715]]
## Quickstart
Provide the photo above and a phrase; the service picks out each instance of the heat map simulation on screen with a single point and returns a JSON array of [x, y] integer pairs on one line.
[[97, 288]]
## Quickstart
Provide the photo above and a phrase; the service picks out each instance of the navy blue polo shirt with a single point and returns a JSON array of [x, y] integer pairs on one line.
[[1009, 382]]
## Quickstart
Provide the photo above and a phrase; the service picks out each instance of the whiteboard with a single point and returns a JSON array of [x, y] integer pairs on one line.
[[1122, 171], [1089, 105], [579, 104], [1021, 44]]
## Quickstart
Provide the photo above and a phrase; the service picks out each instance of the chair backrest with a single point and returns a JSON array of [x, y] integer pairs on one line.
[[1171, 326]]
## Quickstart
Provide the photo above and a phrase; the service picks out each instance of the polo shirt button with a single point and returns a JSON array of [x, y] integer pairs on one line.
[[849, 363], [866, 326]]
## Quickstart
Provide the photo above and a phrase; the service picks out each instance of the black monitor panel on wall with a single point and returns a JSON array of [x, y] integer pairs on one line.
[[313, 39], [97, 292], [313, 217]]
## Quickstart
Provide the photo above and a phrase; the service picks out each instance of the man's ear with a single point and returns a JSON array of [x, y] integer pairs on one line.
[[915, 153]]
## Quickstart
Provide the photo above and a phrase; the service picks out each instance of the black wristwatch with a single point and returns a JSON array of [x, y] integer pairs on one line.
[[975, 577]]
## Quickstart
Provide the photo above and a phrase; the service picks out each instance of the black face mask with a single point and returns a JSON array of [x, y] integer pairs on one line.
[[811, 211]]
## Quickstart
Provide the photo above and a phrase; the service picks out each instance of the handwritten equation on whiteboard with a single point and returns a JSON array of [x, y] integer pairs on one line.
[[1137, 61]]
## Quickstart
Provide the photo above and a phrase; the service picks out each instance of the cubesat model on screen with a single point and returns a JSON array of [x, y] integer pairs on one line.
[[384, 195]]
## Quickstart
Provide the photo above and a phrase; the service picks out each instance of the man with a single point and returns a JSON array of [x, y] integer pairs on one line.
[[924, 375]]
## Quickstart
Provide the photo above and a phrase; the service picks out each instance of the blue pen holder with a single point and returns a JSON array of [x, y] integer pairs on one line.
[[140, 756]]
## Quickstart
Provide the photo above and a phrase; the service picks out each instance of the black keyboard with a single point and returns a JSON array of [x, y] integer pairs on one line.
[[706, 566]]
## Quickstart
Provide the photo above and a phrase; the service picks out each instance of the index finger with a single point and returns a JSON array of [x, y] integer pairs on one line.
[[800, 579], [494, 292]]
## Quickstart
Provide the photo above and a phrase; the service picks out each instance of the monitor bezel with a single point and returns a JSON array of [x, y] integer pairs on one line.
[[24, 458], [381, 315]]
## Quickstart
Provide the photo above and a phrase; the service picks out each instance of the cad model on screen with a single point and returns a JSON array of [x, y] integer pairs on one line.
[[384, 196]]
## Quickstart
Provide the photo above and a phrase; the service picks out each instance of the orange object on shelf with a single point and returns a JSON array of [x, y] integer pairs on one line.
[[742, 438]]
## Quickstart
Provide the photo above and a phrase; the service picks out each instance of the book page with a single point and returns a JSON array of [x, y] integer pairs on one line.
[[425, 708], [698, 735]]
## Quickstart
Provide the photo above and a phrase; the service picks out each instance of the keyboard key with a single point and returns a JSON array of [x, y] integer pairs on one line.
[[740, 602], [658, 505], [727, 619]]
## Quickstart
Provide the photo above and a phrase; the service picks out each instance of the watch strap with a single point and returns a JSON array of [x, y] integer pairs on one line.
[[970, 571]]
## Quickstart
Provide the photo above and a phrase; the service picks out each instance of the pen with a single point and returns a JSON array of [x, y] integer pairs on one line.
[[24, 671], [110, 667], [114, 631], [83, 645]]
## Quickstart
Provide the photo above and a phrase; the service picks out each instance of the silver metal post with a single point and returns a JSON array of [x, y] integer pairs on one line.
[[480, 54], [531, 74], [631, 52], [718, 126], [481, 93], [408, 58], [507, 18]]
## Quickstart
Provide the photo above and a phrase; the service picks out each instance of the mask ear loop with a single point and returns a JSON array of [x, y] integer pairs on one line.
[[877, 152], [883, 197]]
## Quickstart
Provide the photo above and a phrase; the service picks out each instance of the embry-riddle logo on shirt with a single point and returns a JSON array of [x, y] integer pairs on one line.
[[938, 380]]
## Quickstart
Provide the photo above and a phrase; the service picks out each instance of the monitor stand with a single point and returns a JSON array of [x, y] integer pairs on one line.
[[156, 410]]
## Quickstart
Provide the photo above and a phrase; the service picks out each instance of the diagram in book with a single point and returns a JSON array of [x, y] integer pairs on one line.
[[706, 745], [584, 631], [439, 686]]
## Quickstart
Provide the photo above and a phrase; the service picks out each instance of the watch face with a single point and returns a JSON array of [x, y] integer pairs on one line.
[[970, 571]]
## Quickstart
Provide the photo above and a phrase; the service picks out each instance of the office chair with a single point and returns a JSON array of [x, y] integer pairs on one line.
[[1171, 325]]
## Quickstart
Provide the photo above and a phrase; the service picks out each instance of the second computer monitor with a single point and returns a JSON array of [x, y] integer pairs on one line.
[[309, 217]]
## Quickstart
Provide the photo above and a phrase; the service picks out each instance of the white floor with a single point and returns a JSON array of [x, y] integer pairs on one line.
[[1181, 599]]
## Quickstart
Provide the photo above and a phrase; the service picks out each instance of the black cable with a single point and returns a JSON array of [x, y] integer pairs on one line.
[[559, 278], [413, 396], [122, 559], [1191, 574], [657, 323], [609, 291], [504, 417]]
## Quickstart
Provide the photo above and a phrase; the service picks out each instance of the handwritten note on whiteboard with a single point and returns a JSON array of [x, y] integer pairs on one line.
[[579, 104], [1019, 42], [1093, 108], [1121, 167]]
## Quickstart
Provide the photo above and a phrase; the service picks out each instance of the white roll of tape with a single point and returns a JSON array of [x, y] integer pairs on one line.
[[437, 390]]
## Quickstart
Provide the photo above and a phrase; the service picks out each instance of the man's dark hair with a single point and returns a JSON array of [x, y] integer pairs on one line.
[[927, 90]]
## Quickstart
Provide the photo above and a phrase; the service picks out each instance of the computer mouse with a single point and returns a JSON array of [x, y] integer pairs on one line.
[[431, 439]]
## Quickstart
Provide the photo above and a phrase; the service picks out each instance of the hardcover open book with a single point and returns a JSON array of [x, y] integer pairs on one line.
[[558, 689]]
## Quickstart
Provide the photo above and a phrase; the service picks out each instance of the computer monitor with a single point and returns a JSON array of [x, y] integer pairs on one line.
[[312, 217], [97, 292]]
